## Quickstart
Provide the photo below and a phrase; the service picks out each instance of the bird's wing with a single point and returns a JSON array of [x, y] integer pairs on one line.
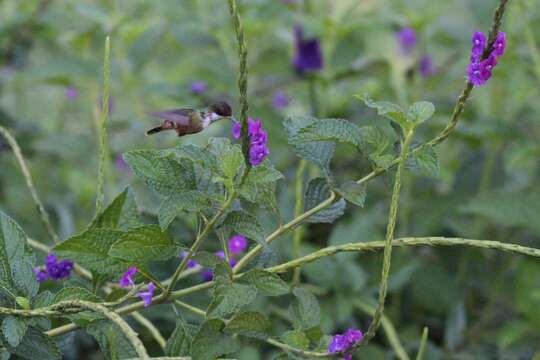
[[179, 116]]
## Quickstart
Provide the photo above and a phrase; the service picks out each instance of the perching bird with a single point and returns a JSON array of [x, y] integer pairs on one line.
[[191, 121]]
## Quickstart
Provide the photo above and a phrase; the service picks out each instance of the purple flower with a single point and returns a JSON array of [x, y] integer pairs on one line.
[[343, 342], [207, 275], [426, 66], [407, 39], [121, 164], [191, 263], [41, 275], [237, 244], [71, 93], [257, 136], [221, 254], [308, 55], [280, 100], [199, 87], [147, 295], [237, 129], [479, 71], [127, 278], [54, 269]]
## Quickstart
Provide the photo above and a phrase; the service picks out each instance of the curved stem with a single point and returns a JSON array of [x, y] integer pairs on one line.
[[29, 183], [151, 328], [298, 207], [423, 343]]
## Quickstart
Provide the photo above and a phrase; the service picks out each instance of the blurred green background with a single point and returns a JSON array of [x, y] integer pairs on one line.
[[477, 304]]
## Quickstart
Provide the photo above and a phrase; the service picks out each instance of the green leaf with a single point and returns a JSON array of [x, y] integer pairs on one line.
[[15, 254], [263, 173], [144, 244], [176, 204], [211, 342], [36, 345], [386, 109], [44, 298], [305, 310], [266, 282], [353, 192], [377, 147], [121, 214], [75, 293], [249, 323], [14, 329], [421, 111], [331, 129], [164, 174], [241, 222], [24, 277], [424, 161], [296, 339], [180, 341], [229, 297], [91, 250], [111, 340], [318, 191], [319, 153], [231, 162]]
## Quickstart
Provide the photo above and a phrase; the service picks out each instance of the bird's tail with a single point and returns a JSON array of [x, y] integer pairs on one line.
[[155, 130]]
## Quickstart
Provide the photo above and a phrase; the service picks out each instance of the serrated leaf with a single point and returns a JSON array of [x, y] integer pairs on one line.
[[24, 277], [75, 293], [353, 192], [377, 147], [175, 204], [180, 341], [44, 298], [421, 111], [319, 153], [144, 244], [241, 222], [229, 297], [425, 161], [317, 192], [206, 259], [266, 282], [296, 339], [386, 109], [249, 323], [91, 250], [121, 214], [211, 342], [111, 340], [231, 162], [36, 345], [263, 173], [14, 329], [331, 129], [164, 174], [13, 249], [305, 310]]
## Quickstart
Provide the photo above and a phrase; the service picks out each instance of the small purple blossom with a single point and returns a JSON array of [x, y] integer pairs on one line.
[[121, 164], [407, 39], [199, 87], [221, 254], [343, 342], [480, 71], [280, 100], [71, 93], [147, 295], [54, 269], [191, 263], [207, 275], [237, 244], [308, 54], [258, 150], [127, 278], [426, 66]]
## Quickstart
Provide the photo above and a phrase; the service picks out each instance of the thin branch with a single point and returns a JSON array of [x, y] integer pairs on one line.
[[423, 344], [29, 183], [154, 331]]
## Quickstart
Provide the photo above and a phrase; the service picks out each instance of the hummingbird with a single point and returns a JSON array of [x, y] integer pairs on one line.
[[191, 121]]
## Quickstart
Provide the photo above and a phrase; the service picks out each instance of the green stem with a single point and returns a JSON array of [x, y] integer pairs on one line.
[[102, 129], [423, 342], [387, 257], [298, 208], [29, 183]]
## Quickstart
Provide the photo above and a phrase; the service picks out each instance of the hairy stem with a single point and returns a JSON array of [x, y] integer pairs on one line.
[[29, 183], [102, 129], [298, 207], [151, 328]]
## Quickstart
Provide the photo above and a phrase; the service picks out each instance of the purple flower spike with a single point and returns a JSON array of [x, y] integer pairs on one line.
[[237, 244], [127, 278], [237, 129], [71, 93], [478, 45], [258, 150], [257, 154], [199, 87], [407, 39], [280, 100], [41, 275], [308, 55], [343, 342], [57, 270], [426, 66], [147, 295], [499, 45]]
